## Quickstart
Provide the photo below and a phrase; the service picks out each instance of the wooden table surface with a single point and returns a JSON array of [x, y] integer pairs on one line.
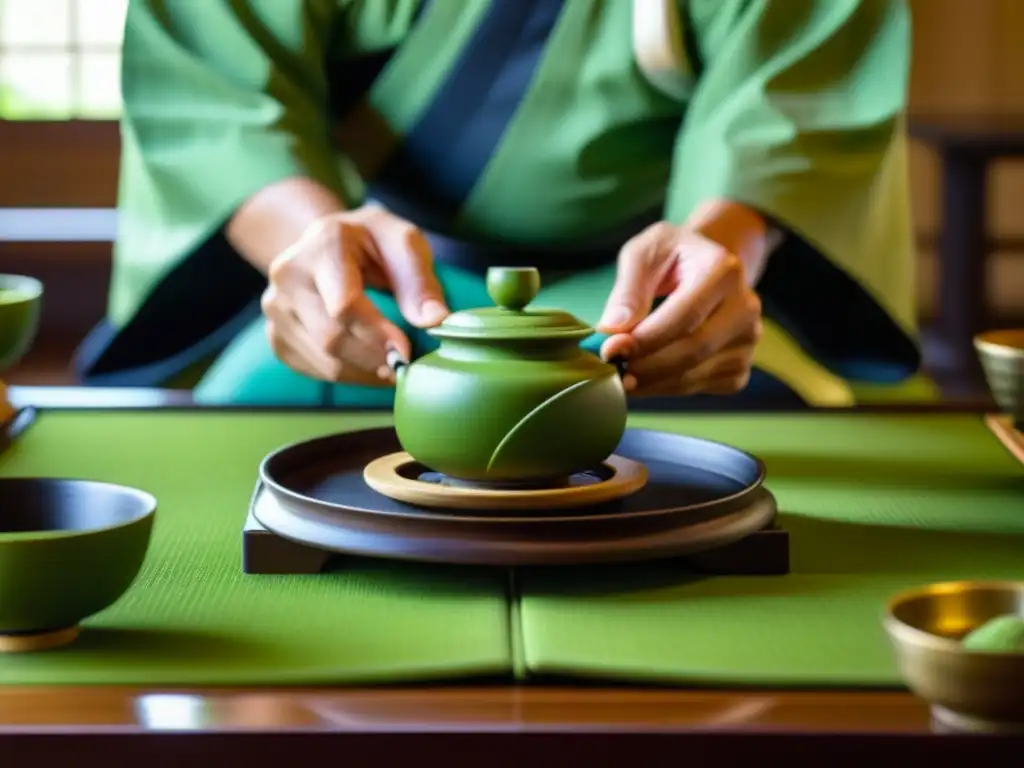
[[492, 725]]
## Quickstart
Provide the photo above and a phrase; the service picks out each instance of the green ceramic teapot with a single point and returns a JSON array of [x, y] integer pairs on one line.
[[509, 396]]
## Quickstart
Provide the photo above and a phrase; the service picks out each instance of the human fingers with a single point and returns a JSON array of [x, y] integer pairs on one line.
[[619, 347], [292, 344], [725, 373], [736, 322], [366, 329], [353, 318], [298, 360], [409, 266], [708, 274], [724, 385], [358, 338], [641, 269], [318, 283], [313, 279]]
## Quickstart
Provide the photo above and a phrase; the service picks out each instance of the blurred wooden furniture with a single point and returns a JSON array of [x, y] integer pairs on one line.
[[968, 147], [64, 174]]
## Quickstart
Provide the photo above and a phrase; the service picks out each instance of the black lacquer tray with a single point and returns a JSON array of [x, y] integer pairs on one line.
[[703, 500]]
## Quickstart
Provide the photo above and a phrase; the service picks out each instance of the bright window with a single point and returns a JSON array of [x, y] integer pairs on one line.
[[60, 59]]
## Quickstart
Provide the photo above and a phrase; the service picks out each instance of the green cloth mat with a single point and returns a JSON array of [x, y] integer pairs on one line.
[[874, 504], [194, 618]]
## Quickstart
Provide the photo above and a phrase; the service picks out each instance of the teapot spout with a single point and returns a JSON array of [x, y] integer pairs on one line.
[[396, 363]]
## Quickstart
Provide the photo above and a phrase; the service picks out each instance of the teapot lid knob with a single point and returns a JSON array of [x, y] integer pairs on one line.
[[513, 287]]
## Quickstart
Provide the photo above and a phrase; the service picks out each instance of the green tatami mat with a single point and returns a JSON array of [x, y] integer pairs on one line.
[[194, 618], [874, 504]]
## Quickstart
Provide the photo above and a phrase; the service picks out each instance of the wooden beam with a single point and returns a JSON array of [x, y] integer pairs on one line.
[[99, 225], [58, 225], [70, 163]]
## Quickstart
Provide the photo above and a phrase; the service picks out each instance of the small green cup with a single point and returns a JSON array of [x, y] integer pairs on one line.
[[21, 299], [1002, 359]]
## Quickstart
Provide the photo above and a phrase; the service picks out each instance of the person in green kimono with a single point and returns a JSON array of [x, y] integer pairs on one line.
[[718, 186]]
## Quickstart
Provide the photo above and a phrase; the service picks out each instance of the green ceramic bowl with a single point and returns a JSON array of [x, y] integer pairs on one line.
[[68, 550], [20, 302], [510, 396], [1002, 358]]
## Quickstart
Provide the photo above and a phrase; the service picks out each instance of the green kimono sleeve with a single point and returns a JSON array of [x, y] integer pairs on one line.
[[798, 113], [221, 99]]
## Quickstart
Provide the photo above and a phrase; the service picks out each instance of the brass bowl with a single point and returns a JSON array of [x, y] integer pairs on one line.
[[1001, 354], [967, 690]]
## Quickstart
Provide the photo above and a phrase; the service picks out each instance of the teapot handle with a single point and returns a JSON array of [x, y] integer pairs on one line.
[[394, 360], [621, 365]]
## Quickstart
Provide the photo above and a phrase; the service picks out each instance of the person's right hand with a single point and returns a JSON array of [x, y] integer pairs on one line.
[[319, 320]]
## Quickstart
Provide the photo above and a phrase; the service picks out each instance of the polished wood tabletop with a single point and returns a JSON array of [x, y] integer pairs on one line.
[[485, 725], [490, 724], [473, 708]]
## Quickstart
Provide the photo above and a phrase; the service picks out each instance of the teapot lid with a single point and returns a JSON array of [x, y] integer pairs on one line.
[[512, 289]]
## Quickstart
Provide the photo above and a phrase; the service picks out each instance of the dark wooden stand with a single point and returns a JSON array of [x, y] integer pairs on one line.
[[765, 553], [968, 147]]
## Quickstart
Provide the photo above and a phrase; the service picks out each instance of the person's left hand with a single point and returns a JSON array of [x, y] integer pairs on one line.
[[701, 339]]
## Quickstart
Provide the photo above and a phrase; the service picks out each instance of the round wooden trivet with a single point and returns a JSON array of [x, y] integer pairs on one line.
[[384, 476], [42, 641]]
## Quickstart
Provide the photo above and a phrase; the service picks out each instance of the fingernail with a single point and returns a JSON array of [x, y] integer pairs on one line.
[[384, 373], [629, 382], [433, 311], [615, 317]]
